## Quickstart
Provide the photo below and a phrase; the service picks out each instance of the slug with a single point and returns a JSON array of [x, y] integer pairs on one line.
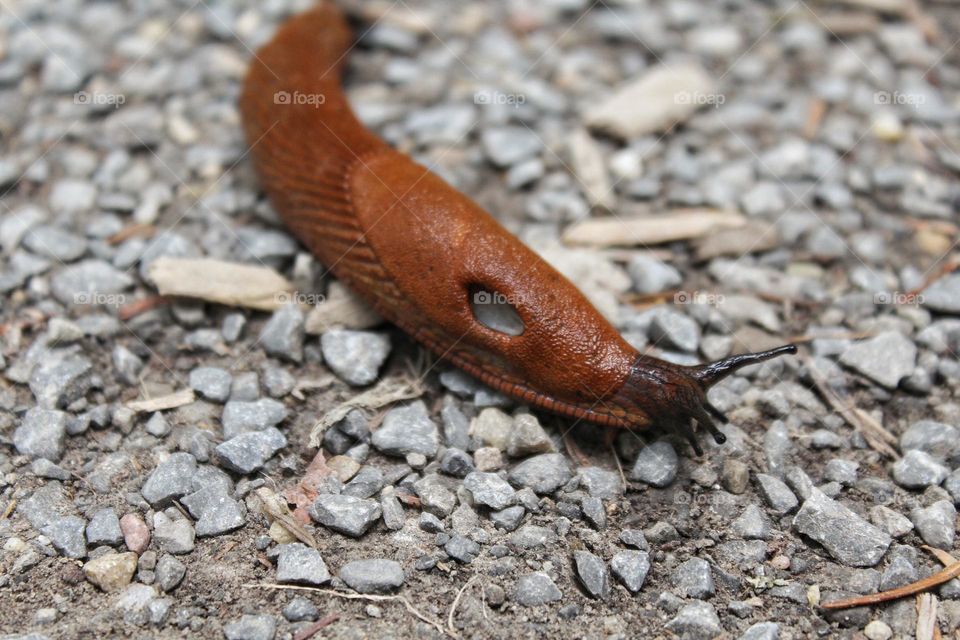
[[435, 264]]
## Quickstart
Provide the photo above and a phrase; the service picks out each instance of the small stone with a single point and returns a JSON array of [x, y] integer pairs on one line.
[[534, 589], [650, 275], [461, 549], [776, 493], [59, 380], [940, 440], [508, 519], [111, 572], [630, 568], [886, 359], [42, 434], [173, 536], [888, 520], [752, 524], [393, 516], [847, 537], [434, 497], [232, 327], [490, 490], [762, 631], [430, 523], [735, 476], [935, 524], [693, 579], [251, 627], [299, 564], [104, 528], [696, 620], [345, 514], [240, 417], [282, 335], [634, 538], [510, 145], [127, 364], [88, 281], [355, 356], [841, 471], [492, 428], [157, 425], [172, 478], [376, 575], [170, 572], [531, 536], [212, 383], [488, 459], [656, 464], [592, 573], [407, 429], [674, 329], [943, 295], [600, 483], [215, 510], [367, 482], [278, 382], [67, 535], [456, 462], [249, 451], [416, 460], [300, 610], [528, 437], [544, 473], [136, 535], [917, 470], [899, 571], [594, 512], [878, 630]]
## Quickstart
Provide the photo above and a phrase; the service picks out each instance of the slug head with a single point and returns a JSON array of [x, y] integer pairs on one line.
[[675, 396]]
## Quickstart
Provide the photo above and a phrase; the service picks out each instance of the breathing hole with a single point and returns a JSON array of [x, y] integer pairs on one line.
[[495, 311]]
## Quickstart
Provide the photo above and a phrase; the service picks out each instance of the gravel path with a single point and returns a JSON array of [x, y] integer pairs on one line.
[[145, 444]]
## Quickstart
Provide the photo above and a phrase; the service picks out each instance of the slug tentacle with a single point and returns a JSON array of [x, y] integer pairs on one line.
[[713, 372]]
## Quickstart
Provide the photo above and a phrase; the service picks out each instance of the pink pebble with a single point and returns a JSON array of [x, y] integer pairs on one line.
[[135, 533]]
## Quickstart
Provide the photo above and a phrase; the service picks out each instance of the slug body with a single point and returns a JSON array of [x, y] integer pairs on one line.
[[420, 252]]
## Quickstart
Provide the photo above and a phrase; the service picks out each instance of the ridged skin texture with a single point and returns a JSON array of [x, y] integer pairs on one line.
[[416, 249]]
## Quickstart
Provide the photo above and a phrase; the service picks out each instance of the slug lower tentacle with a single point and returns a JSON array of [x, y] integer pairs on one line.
[[427, 258]]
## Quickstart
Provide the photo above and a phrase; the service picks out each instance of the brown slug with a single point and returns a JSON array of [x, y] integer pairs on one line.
[[426, 257]]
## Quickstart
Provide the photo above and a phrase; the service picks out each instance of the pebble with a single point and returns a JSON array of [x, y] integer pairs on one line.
[[72, 196], [776, 493], [407, 429], [127, 365], [136, 535], [543, 474], [173, 536], [845, 535], [943, 295], [299, 564], [367, 482], [527, 437], [88, 282], [671, 329], [171, 479], [634, 538], [240, 417], [376, 575], [535, 589], [434, 496], [251, 627], [886, 359], [488, 459], [456, 462], [631, 568], [461, 548], [935, 524], [492, 428], [899, 571], [282, 335], [212, 383], [43, 468], [111, 572], [752, 524], [249, 451], [895, 524], [940, 440], [430, 523], [510, 145], [694, 579], [215, 510], [355, 356], [656, 464], [592, 573], [508, 519], [696, 620], [300, 609], [762, 631], [42, 434], [104, 528], [650, 275], [55, 243], [594, 512], [531, 536], [393, 516], [918, 470], [878, 630], [278, 382], [170, 573], [67, 535], [490, 490], [735, 476], [345, 514]]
